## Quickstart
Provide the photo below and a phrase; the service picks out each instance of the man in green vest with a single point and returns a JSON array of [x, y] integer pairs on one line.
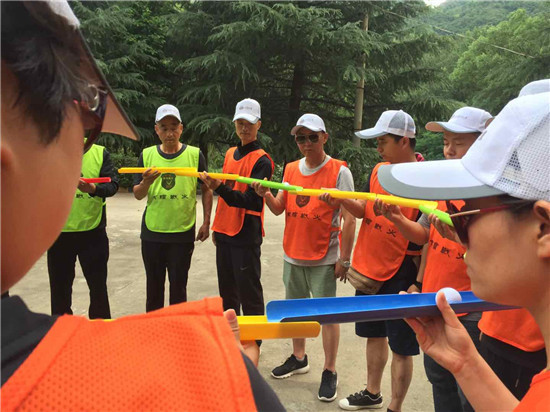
[[168, 224], [84, 236]]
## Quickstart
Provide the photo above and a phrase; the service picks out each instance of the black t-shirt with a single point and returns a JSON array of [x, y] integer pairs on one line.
[[180, 237], [251, 232], [22, 331]]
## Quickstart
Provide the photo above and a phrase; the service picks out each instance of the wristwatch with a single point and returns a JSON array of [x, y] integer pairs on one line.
[[344, 263]]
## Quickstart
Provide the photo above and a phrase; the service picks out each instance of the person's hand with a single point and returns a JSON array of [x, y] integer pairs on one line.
[[448, 232], [340, 272], [413, 289], [443, 338], [331, 201], [212, 184], [149, 176], [204, 232], [391, 212], [214, 238], [86, 187], [249, 348], [259, 189]]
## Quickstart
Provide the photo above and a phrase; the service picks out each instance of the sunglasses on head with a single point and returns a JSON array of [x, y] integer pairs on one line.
[[301, 138], [93, 106], [462, 219]]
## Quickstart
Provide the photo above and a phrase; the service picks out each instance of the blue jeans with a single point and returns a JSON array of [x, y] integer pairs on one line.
[[446, 393]]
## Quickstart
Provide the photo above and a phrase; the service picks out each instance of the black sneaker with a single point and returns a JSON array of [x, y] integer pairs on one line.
[[329, 383], [290, 367], [362, 400]]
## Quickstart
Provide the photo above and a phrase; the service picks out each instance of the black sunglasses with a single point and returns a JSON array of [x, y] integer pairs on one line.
[[301, 138], [93, 106], [462, 219]]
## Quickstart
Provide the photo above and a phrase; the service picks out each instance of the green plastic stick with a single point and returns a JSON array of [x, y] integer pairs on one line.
[[268, 183], [441, 215]]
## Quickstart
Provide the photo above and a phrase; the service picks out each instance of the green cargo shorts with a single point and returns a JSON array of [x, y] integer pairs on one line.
[[309, 281]]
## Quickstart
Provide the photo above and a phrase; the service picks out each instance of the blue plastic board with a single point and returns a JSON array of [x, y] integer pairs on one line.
[[370, 308]]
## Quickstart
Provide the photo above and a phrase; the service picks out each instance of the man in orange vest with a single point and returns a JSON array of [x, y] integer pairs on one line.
[[184, 356], [238, 224], [313, 255], [442, 262], [386, 264]]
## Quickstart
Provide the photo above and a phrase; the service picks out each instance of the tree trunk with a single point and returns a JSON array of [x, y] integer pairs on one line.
[[298, 81], [359, 93]]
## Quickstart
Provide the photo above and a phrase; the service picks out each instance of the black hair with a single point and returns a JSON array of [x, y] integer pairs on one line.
[[522, 208], [396, 138], [42, 51]]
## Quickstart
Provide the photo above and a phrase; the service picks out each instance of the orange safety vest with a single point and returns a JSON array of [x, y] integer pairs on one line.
[[516, 327], [445, 265], [537, 399], [308, 220], [380, 247], [180, 357], [229, 220]]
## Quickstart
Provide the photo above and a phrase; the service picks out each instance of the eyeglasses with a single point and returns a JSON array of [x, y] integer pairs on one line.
[[93, 106], [462, 219], [301, 138]]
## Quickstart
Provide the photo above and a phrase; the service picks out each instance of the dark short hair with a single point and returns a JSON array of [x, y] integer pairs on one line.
[[396, 138], [41, 49]]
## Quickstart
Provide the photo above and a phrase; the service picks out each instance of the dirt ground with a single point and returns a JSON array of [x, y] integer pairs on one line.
[[126, 283]]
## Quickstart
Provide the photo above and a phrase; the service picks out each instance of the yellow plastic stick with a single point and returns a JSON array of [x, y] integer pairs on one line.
[[220, 176], [257, 327], [159, 169], [393, 200]]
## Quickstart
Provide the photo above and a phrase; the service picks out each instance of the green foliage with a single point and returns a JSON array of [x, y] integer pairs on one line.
[[124, 160], [430, 145], [460, 16], [489, 77]]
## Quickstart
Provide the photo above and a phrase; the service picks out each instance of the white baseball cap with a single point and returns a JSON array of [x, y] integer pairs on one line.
[[249, 110], [464, 120], [167, 110], [509, 157], [391, 121], [538, 86], [309, 121]]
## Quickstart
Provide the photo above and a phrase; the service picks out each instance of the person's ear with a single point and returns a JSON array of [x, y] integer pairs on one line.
[[259, 123], [6, 157], [405, 142], [541, 210], [325, 137], [157, 129]]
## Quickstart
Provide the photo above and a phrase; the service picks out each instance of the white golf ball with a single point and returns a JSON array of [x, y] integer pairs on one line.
[[451, 295]]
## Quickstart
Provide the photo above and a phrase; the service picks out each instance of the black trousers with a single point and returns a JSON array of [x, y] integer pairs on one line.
[[159, 257], [239, 272], [92, 250]]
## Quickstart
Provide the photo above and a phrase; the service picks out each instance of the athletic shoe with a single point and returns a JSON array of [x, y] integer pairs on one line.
[[329, 383], [290, 367], [362, 400]]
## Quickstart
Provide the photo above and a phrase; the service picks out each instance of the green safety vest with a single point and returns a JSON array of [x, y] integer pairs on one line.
[[86, 210], [171, 199]]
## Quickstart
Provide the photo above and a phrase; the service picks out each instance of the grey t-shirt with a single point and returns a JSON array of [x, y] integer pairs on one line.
[[344, 182], [423, 220]]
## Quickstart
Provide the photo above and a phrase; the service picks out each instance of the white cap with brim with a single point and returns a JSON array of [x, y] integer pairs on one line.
[[249, 110], [395, 122], [464, 120], [116, 121], [309, 121], [510, 157], [167, 110]]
